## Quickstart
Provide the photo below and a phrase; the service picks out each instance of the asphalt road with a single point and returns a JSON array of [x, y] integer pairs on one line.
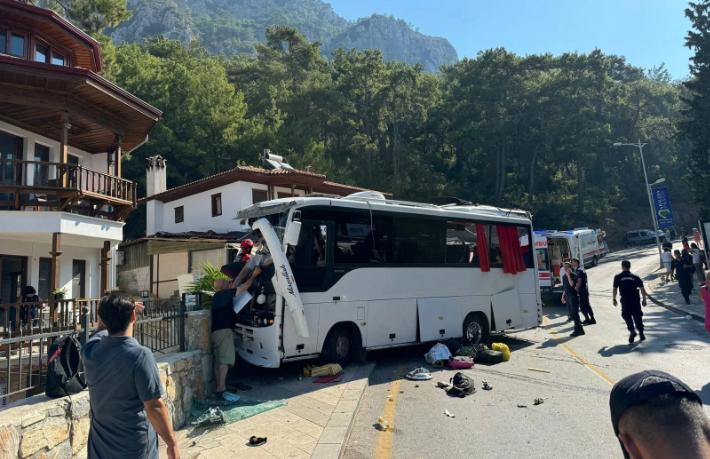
[[572, 375]]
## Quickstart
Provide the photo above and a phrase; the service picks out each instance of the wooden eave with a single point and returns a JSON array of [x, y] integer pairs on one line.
[[34, 96], [85, 51]]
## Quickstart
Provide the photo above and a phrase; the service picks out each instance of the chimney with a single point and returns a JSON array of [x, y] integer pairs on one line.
[[155, 175]]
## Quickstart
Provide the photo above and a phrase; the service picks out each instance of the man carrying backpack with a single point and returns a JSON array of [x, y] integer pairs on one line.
[[124, 389]]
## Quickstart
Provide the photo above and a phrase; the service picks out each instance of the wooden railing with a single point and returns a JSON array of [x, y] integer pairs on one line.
[[43, 176]]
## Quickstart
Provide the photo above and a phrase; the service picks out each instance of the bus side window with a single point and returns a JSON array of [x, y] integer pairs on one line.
[[461, 244], [526, 246], [495, 256]]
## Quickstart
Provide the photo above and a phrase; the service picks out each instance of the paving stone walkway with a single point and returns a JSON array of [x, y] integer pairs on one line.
[[313, 424]]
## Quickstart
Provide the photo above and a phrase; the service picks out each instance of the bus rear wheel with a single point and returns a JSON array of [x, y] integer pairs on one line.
[[595, 260], [339, 346], [475, 329]]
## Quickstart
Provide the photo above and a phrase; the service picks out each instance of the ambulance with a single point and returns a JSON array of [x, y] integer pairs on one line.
[[585, 244], [544, 272]]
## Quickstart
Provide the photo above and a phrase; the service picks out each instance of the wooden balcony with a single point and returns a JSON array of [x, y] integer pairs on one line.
[[39, 185]]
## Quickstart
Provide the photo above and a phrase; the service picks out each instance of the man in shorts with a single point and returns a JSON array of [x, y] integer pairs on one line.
[[223, 321]]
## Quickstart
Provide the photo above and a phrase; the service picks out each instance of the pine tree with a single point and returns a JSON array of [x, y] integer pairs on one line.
[[697, 123]]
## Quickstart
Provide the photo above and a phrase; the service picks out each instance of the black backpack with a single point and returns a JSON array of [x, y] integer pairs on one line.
[[462, 386], [65, 367]]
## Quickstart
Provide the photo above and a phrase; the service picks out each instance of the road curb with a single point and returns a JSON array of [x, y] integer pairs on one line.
[[676, 309], [336, 432]]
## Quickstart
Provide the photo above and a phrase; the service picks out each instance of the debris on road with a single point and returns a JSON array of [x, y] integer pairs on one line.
[[382, 424], [487, 386], [489, 356], [460, 362], [330, 369], [438, 355], [521, 405], [418, 374], [539, 370], [442, 385], [538, 401], [449, 414], [503, 348], [257, 441], [462, 386]]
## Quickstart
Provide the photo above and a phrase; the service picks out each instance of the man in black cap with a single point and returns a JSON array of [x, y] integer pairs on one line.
[[656, 415], [628, 285]]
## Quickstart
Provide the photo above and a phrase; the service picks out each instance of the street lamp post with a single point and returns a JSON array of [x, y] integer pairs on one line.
[[640, 146]]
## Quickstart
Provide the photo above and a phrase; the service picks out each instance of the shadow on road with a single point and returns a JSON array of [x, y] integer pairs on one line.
[[619, 349]]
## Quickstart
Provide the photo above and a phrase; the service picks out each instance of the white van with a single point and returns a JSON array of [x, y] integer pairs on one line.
[[361, 272]]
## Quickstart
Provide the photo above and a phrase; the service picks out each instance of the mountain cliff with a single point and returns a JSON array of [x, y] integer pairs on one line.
[[235, 26]]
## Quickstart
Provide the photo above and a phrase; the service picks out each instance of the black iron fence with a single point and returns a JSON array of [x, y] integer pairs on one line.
[[27, 330]]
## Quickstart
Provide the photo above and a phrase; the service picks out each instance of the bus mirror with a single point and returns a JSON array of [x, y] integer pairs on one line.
[[293, 232]]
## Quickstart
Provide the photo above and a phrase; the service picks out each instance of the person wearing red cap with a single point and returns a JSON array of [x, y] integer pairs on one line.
[[656, 415], [245, 249]]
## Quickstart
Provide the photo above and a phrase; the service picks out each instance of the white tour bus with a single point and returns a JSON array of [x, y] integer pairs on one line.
[[361, 273]]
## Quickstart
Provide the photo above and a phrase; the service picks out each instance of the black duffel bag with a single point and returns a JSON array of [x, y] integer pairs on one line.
[[65, 367]]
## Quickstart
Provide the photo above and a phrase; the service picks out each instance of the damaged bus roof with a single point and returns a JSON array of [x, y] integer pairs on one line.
[[377, 202]]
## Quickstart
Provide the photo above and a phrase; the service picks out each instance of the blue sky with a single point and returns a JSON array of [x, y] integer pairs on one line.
[[647, 32]]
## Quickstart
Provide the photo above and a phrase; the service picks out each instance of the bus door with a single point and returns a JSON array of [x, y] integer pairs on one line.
[[312, 264]]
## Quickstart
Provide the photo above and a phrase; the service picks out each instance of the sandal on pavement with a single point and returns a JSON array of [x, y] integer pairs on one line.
[[256, 441], [419, 374]]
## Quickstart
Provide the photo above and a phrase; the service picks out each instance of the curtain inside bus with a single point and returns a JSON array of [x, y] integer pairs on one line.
[[511, 252], [483, 247]]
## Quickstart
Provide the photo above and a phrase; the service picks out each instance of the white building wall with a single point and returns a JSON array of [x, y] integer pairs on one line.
[[34, 251], [96, 162], [198, 210]]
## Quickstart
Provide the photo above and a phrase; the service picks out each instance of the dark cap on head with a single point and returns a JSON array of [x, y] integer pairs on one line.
[[639, 388]]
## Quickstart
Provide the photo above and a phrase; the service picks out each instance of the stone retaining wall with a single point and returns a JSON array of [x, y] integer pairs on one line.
[[41, 427]]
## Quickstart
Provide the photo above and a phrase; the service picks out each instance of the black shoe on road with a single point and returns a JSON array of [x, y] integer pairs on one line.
[[642, 337], [579, 332], [591, 321], [632, 337]]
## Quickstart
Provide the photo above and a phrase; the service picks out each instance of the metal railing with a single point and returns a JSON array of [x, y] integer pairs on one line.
[[27, 330], [43, 176]]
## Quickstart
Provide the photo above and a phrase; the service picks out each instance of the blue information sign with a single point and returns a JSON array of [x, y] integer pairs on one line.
[[662, 204]]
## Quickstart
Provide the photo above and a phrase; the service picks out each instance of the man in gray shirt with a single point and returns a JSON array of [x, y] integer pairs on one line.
[[124, 389]]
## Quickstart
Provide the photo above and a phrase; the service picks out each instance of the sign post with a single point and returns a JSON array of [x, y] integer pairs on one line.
[[662, 207]]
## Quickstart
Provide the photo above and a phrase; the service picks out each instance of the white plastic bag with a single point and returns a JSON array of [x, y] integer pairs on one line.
[[437, 353]]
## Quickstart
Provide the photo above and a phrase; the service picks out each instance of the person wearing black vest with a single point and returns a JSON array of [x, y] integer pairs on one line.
[[582, 288], [628, 286], [571, 297]]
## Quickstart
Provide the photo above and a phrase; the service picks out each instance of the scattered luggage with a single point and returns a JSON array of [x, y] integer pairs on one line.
[[502, 347], [461, 386], [418, 374], [460, 362], [490, 356], [438, 355]]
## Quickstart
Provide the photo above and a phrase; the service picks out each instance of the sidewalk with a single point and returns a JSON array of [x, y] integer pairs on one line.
[[313, 424], [668, 295]]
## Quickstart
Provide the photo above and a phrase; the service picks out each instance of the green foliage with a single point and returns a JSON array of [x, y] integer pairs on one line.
[[91, 16], [697, 120], [534, 132], [205, 283]]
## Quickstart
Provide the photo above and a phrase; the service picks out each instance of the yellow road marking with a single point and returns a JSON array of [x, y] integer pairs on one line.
[[385, 438], [581, 359]]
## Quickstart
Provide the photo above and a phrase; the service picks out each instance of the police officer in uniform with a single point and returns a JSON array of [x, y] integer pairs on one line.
[[582, 288], [628, 285], [571, 297]]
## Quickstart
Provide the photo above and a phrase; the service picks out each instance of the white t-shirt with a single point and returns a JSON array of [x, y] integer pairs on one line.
[[696, 256], [666, 257]]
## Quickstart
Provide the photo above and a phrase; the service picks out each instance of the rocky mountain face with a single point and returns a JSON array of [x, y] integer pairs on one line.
[[235, 26]]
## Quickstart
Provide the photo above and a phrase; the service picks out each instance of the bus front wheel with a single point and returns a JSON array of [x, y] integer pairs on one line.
[[340, 345], [475, 329]]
